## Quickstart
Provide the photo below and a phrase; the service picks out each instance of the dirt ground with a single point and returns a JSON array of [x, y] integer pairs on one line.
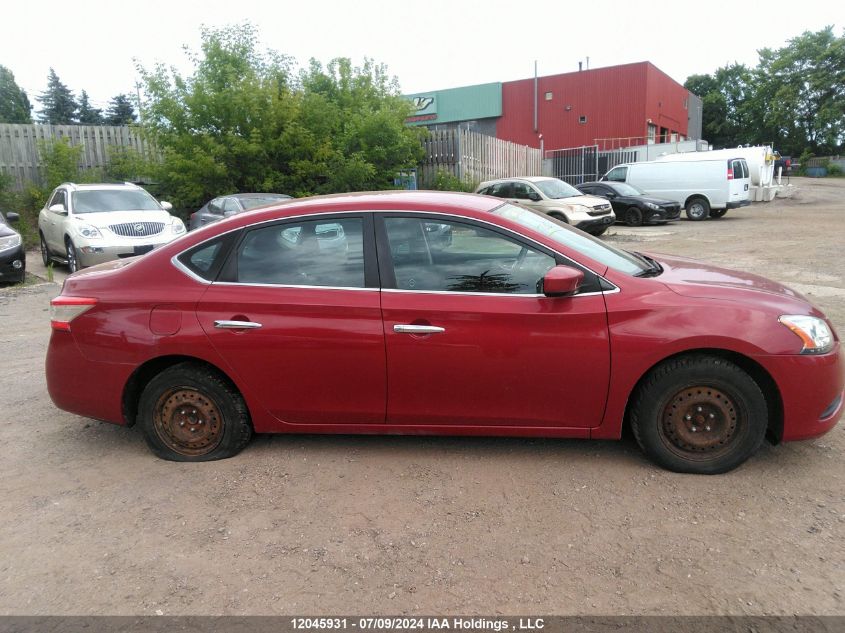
[[92, 523]]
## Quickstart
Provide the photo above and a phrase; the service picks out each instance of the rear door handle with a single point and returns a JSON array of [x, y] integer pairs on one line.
[[418, 329], [237, 325]]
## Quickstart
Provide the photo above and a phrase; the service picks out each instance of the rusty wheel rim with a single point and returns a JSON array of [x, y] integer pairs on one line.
[[188, 422], [701, 422]]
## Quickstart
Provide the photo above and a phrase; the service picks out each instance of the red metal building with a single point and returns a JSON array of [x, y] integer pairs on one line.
[[638, 102]]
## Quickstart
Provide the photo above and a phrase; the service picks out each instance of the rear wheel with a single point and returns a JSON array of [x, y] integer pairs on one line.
[[45, 250], [717, 213], [698, 209], [633, 216], [699, 414], [189, 413], [72, 259]]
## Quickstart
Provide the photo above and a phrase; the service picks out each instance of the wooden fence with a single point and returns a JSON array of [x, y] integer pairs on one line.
[[474, 157], [19, 143]]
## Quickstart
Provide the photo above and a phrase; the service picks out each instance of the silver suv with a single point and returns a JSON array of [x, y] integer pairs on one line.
[[84, 225]]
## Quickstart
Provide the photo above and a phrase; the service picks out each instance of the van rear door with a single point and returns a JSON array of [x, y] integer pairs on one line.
[[739, 182]]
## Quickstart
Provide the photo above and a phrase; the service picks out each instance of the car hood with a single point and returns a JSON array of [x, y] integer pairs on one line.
[[6, 230], [585, 200], [692, 278], [105, 219]]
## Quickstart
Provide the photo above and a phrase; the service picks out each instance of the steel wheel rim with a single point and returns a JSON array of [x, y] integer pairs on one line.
[[697, 210], [188, 421], [701, 422]]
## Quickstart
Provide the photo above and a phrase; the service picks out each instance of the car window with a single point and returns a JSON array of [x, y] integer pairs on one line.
[[500, 190], [230, 205], [205, 259], [216, 206], [737, 169], [103, 200], [617, 174], [432, 255], [311, 253], [521, 191], [59, 198]]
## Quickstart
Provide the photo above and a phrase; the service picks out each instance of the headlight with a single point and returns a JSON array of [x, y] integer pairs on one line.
[[177, 226], [813, 332], [651, 205], [9, 242], [88, 231]]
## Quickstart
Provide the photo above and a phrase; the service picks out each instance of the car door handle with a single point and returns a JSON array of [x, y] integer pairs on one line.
[[237, 325], [418, 329]]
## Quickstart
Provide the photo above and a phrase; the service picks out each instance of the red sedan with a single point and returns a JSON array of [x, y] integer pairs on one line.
[[437, 313]]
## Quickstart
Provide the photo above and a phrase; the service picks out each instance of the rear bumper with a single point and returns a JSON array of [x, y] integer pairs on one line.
[[736, 205], [811, 389], [70, 376]]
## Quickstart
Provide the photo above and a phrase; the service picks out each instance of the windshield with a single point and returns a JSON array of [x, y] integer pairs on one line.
[[610, 256], [554, 188], [102, 200], [624, 189], [252, 203]]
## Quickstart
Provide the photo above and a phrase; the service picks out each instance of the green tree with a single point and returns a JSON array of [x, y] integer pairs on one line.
[[121, 111], [725, 95], [244, 120], [57, 103], [14, 104], [88, 114]]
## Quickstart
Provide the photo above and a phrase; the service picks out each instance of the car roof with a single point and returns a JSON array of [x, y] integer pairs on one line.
[[100, 185], [281, 196]]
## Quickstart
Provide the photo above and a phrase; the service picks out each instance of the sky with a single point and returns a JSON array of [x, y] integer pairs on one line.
[[427, 45]]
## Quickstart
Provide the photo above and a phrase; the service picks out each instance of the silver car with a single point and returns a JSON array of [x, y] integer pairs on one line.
[[84, 225], [224, 206]]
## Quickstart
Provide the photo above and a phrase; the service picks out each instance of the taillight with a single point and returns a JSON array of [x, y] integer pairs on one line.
[[730, 173], [63, 310]]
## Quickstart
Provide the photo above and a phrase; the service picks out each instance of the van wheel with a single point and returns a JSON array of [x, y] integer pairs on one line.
[[699, 414], [698, 209], [717, 213], [633, 216]]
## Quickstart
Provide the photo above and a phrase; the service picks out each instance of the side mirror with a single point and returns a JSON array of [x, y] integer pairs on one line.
[[561, 281], [12, 217], [533, 195], [57, 208], [166, 205]]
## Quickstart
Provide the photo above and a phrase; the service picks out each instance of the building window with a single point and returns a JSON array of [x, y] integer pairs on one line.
[[548, 96], [582, 118]]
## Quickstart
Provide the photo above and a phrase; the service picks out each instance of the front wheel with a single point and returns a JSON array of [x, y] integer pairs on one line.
[[698, 209], [633, 216], [189, 413], [699, 414], [72, 258], [45, 250]]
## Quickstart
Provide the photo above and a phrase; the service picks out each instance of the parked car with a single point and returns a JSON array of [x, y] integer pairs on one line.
[[83, 225], [12, 253], [705, 188], [224, 206], [631, 205], [237, 329], [555, 198]]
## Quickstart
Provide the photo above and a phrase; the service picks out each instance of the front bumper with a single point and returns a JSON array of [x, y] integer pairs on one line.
[[596, 223], [91, 253], [663, 214], [811, 389], [13, 265]]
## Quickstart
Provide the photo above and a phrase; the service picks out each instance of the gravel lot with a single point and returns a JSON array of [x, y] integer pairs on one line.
[[92, 523]]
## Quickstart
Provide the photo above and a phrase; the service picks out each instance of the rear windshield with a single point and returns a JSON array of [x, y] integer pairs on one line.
[[595, 249], [102, 200], [557, 189]]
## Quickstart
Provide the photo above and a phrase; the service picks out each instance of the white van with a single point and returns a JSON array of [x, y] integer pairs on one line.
[[705, 188]]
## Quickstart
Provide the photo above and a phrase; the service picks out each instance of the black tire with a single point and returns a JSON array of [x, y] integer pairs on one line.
[[717, 213], [45, 250], [189, 413], [698, 209], [598, 232], [72, 259], [633, 216], [699, 414], [559, 216]]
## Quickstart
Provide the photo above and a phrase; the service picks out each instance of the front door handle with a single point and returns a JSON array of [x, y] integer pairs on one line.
[[418, 329], [237, 325]]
